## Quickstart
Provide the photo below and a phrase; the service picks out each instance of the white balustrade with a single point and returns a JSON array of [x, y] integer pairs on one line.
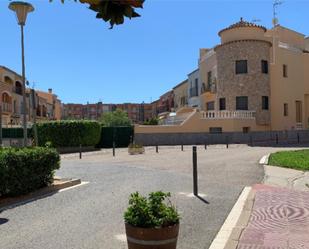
[[228, 115]]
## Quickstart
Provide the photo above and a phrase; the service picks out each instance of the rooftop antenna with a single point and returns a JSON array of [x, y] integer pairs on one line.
[[275, 22], [276, 3]]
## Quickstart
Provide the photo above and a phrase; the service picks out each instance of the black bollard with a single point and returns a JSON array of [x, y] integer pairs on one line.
[[182, 147], [205, 146], [80, 151], [157, 148], [227, 142], [194, 155], [114, 148]]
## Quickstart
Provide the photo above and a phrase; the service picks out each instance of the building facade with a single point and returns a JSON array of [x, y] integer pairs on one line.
[[137, 113], [181, 95], [256, 79], [48, 106]]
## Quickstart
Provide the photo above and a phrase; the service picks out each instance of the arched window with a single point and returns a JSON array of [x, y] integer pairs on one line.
[[18, 88], [8, 80], [6, 98]]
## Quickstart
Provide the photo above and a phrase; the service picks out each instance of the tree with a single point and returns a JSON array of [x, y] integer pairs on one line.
[[116, 118], [113, 11]]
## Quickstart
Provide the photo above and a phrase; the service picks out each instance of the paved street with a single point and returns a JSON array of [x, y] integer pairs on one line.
[[90, 216]]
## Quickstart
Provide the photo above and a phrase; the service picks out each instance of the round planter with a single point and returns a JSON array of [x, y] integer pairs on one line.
[[152, 238], [136, 151]]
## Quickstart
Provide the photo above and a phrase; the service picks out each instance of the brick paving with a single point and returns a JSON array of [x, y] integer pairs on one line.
[[279, 220]]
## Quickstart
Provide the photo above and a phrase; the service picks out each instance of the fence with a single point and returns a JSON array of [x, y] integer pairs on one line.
[[252, 138], [122, 136]]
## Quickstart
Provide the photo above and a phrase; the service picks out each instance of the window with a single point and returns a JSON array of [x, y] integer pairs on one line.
[[209, 78], [285, 109], [285, 71], [264, 66], [242, 103], [246, 129], [265, 103], [18, 88], [210, 106], [222, 104], [241, 67], [215, 130]]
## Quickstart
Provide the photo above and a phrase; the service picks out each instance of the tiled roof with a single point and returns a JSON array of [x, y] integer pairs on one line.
[[242, 24]]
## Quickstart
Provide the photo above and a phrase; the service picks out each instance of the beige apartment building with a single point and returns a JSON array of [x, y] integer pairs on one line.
[[256, 79], [48, 105], [181, 95]]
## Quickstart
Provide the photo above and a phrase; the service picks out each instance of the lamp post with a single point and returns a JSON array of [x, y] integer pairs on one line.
[[22, 9]]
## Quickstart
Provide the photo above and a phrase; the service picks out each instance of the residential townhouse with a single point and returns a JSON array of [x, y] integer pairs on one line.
[[181, 95], [256, 79], [11, 90]]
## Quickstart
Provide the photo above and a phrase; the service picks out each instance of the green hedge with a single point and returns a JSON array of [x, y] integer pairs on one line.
[[122, 136], [15, 133], [69, 133], [27, 169]]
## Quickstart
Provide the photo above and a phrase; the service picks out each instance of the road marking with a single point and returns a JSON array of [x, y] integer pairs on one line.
[[264, 160], [191, 195], [75, 186], [121, 237]]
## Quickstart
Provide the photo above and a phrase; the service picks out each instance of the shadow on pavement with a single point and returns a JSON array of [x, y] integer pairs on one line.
[[202, 199], [3, 221]]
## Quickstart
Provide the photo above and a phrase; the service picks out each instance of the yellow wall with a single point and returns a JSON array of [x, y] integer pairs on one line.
[[179, 92], [196, 124], [242, 33], [291, 89]]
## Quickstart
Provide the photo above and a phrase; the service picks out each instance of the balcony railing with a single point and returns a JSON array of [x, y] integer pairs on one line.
[[6, 107], [228, 115]]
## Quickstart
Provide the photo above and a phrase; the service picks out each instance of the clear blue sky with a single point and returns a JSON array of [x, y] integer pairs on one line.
[[67, 49]]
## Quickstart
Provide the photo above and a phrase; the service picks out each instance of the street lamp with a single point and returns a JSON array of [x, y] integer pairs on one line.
[[22, 9]]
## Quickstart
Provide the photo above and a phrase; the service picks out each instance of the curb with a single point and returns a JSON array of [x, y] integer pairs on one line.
[[264, 160], [12, 202], [237, 220]]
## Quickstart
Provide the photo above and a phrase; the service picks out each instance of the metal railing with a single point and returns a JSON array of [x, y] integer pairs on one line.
[[228, 115]]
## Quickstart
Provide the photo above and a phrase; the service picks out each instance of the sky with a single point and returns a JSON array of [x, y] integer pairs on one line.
[[82, 60]]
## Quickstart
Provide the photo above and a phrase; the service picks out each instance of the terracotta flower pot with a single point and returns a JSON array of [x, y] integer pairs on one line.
[[152, 238]]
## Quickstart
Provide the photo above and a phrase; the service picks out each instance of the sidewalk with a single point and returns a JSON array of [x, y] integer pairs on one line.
[[274, 215], [279, 219]]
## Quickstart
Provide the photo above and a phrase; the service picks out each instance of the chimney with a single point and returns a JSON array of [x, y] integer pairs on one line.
[[50, 90]]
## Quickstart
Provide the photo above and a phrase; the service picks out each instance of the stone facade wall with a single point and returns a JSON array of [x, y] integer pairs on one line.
[[254, 84]]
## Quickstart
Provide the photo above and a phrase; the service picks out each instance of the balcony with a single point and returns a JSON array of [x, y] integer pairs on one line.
[[6, 107], [228, 115]]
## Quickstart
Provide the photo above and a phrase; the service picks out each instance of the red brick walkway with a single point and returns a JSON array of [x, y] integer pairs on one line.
[[279, 220]]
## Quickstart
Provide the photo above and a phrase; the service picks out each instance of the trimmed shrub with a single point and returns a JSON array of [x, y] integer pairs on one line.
[[15, 133], [26, 169], [122, 136], [69, 133]]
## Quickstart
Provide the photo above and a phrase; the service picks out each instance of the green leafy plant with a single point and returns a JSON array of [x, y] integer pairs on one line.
[[152, 121], [115, 118], [153, 212], [69, 133], [26, 169], [113, 11]]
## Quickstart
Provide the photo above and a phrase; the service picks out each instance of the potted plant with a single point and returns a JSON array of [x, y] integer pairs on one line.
[[151, 223], [135, 149]]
